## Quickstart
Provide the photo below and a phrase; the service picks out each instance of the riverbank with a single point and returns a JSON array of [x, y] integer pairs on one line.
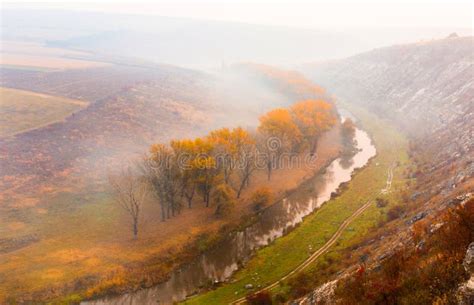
[[277, 260], [97, 256]]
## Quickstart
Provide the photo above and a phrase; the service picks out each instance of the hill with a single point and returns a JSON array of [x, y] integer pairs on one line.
[[426, 89], [61, 232], [129, 107], [170, 39]]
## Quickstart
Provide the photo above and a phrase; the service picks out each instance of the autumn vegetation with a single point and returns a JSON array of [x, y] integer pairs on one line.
[[291, 83], [428, 273], [214, 170]]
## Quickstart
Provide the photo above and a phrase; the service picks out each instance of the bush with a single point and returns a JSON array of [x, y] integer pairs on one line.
[[417, 277], [224, 198], [396, 212], [300, 285], [261, 198], [280, 298], [261, 298], [348, 129], [381, 202]]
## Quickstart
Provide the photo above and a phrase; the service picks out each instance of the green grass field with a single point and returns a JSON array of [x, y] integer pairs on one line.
[[275, 261], [21, 111]]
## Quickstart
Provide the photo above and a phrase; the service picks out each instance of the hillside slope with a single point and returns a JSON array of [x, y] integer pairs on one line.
[[427, 90], [426, 84], [129, 109], [60, 230]]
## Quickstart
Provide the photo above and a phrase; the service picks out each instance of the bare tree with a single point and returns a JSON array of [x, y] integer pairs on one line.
[[130, 192], [162, 171]]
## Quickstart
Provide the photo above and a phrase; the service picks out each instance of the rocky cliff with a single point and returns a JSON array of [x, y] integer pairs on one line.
[[426, 89]]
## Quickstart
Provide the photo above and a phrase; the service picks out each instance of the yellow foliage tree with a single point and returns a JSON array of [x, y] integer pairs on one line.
[[186, 152], [228, 145], [205, 164], [279, 123], [313, 117]]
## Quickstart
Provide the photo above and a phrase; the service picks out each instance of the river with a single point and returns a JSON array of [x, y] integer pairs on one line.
[[219, 263]]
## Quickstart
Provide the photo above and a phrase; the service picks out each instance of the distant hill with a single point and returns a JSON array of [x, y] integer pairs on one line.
[[130, 107], [424, 85], [200, 43]]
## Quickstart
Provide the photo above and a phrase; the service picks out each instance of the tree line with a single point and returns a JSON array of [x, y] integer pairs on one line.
[[217, 168]]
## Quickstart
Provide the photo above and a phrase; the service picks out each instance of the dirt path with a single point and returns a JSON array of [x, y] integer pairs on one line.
[[329, 243], [389, 180]]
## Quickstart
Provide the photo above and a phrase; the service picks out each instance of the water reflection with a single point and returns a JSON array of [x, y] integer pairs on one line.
[[220, 263]]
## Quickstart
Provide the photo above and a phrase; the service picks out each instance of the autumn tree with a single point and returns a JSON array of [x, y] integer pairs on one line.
[[163, 173], [186, 152], [291, 83], [208, 173], [261, 197], [129, 192], [348, 131], [279, 134], [348, 128], [237, 148], [223, 197], [228, 144], [313, 118], [246, 161], [279, 124]]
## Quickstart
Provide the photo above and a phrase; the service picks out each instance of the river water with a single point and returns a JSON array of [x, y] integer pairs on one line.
[[219, 263]]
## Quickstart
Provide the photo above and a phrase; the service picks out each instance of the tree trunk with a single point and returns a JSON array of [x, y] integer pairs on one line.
[[226, 175], [207, 198], [245, 182], [242, 184], [163, 212], [269, 170], [314, 146], [135, 228]]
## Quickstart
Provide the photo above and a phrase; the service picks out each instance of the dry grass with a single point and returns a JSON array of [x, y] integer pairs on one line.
[[21, 111], [30, 55], [85, 243], [48, 62]]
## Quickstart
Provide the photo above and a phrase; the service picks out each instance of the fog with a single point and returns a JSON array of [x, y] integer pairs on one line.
[[198, 43]]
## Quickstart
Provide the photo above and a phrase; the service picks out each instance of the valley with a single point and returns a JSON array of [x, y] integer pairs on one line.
[[156, 154], [273, 263], [66, 190]]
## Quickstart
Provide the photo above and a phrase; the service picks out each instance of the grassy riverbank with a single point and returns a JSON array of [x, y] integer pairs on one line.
[[286, 253], [79, 246]]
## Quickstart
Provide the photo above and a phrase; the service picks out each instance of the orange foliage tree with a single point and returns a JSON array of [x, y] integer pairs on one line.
[[208, 174], [211, 164], [313, 118], [228, 145], [186, 153], [279, 134]]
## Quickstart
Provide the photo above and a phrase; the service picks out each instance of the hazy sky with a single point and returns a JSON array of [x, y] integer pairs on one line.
[[314, 14]]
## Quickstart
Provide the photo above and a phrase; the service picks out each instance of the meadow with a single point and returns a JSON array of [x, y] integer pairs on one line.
[[286, 253], [21, 111]]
